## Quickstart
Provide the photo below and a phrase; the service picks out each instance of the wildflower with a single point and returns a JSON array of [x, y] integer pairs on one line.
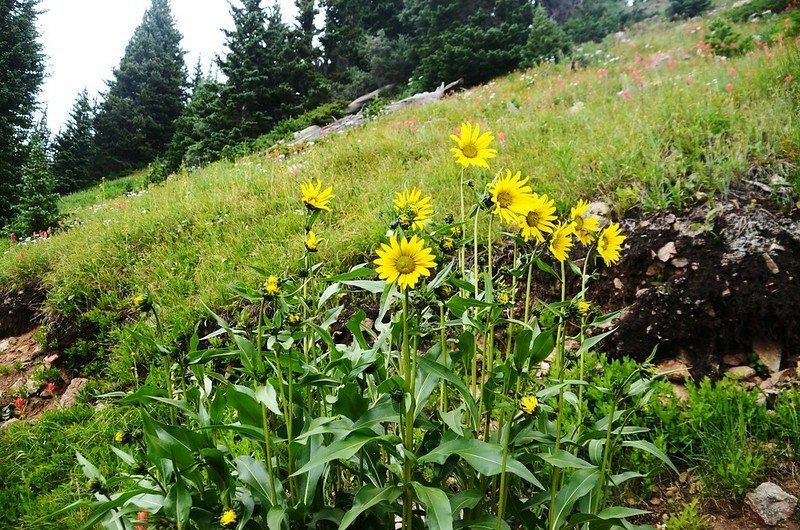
[[404, 261], [13, 237], [503, 298], [473, 147], [312, 241], [141, 302], [141, 516], [609, 243], [457, 232], [314, 197], [50, 388], [561, 240], [293, 319], [729, 87], [227, 519], [788, 79], [529, 404], [414, 210], [119, 437], [272, 286], [539, 219], [584, 308], [731, 71], [584, 226], [19, 403], [510, 196], [448, 245]]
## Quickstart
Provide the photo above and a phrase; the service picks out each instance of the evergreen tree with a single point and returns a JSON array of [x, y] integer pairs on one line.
[[260, 66], [561, 10], [471, 39], [135, 122], [546, 39], [37, 209], [687, 8], [598, 18], [21, 64], [198, 138], [74, 157], [307, 78]]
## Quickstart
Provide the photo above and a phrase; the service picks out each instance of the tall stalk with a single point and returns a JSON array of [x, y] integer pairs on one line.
[[559, 366], [408, 432]]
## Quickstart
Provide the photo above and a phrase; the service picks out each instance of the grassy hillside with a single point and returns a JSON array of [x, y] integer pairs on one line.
[[649, 120]]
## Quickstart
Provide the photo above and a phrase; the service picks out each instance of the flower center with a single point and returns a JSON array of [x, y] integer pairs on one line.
[[503, 199], [405, 265], [469, 151], [532, 218]]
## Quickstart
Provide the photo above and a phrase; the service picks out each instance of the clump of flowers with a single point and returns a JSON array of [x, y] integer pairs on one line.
[[413, 210]]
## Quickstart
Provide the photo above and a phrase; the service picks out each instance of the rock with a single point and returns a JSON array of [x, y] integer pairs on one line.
[[70, 396], [618, 284], [8, 422], [598, 209], [769, 352], [309, 133], [680, 393], [576, 107], [422, 97], [771, 265], [50, 360], [771, 503], [679, 263], [734, 359], [777, 377], [674, 370], [667, 252], [511, 107], [741, 373], [360, 102]]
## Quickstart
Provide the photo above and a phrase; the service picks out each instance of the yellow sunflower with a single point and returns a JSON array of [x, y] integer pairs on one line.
[[414, 211], [561, 240], [312, 241], [272, 286], [510, 196], [404, 261], [314, 197], [584, 308], [585, 227], [227, 519], [473, 147], [539, 219], [529, 404], [609, 243]]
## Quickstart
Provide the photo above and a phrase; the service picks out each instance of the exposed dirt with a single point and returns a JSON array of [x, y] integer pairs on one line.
[[711, 281], [20, 359]]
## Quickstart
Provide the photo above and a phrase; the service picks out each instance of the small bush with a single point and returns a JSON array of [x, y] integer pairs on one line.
[[725, 41], [687, 8], [689, 518], [756, 8]]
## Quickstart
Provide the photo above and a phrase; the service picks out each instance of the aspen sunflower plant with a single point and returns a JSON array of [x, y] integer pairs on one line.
[[410, 395]]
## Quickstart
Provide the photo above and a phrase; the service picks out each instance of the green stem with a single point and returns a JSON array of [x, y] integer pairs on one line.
[[476, 287], [268, 454], [501, 507], [606, 455], [582, 337], [445, 360], [461, 250], [559, 367], [408, 433]]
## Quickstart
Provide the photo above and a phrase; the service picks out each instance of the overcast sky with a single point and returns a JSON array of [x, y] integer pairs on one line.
[[84, 40]]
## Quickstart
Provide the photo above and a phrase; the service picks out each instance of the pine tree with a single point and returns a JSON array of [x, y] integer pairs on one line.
[[307, 78], [135, 122], [260, 66], [561, 10], [546, 39], [37, 209], [687, 8], [74, 158], [22, 67], [475, 40]]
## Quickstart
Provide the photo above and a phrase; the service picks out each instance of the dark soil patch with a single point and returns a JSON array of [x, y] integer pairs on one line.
[[707, 282]]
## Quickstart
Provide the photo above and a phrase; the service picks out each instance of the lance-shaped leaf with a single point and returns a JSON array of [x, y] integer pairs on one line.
[[366, 498]]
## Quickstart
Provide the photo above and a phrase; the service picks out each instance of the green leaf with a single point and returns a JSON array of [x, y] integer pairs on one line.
[[179, 503], [565, 460], [125, 457], [620, 512], [465, 500], [443, 372], [372, 286], [340, 449], [487, 522], [267, 396], [439, 516], [652, 449], [367, 497], [522, 348], [359, 271], [589, 343], [623, 477], [275, 517], [253, 473], [89, 469], [380, 413], [485, 457], [579, 484]]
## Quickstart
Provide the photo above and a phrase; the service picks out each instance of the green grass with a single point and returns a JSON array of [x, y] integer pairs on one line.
[[648, 131], [73, 204]]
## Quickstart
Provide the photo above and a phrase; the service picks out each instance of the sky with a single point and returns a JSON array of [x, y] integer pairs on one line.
[[84, 40]]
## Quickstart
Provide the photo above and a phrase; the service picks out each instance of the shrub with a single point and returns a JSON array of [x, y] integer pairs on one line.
[[753, 8], [725, 41], [687, 8]]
